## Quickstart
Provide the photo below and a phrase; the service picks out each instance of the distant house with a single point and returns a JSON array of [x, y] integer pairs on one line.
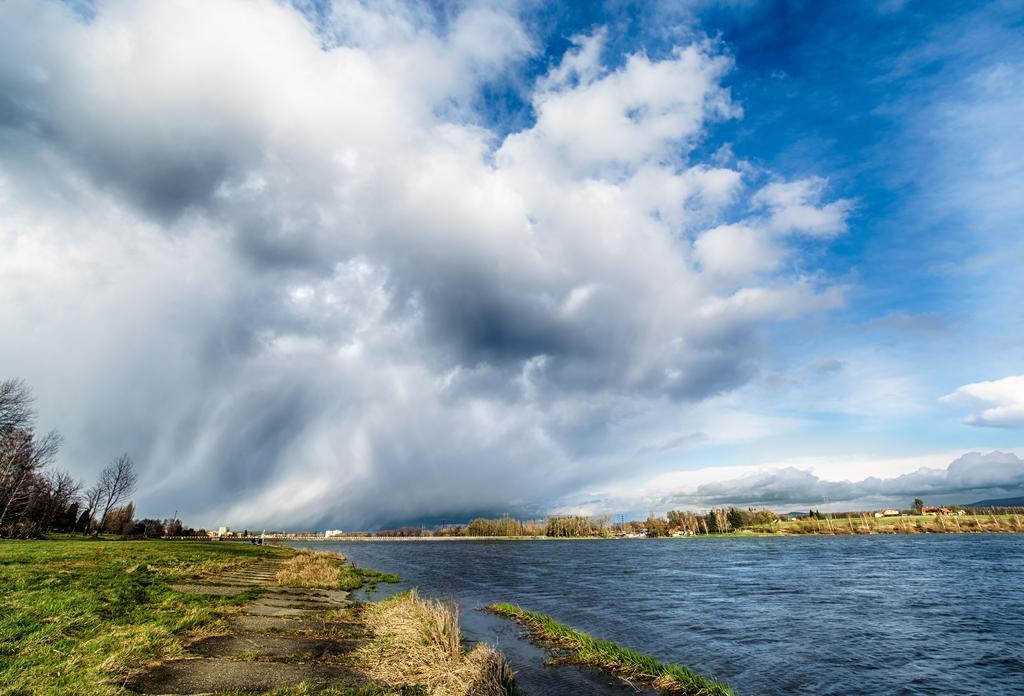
[[333, 533], [936, 511], [888, 513]]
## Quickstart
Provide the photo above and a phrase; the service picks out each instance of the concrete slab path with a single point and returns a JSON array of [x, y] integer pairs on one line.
[[283, 637]]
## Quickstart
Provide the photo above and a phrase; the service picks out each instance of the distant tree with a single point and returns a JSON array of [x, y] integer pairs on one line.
[[684, 520], [152, 528], [764, 517], [93, 496], [717, 521], [918, 506], [84, 521], [63, 495], [117, 482], [120, 520], [575, 526], [450, 530], [655, 526], [173, 527]]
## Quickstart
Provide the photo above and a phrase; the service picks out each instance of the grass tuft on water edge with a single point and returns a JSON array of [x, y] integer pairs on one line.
[[417, 642], [328, 570], [626, 663]]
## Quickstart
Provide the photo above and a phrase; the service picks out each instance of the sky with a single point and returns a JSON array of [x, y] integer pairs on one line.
[[351, 264]]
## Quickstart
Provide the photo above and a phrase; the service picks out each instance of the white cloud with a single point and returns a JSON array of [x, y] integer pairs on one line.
[[796, 207], [626, 117], [998, 403], [736, 251]]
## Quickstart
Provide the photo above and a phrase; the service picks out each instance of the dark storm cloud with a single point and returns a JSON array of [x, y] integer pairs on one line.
[[164, 177], [485, 324]]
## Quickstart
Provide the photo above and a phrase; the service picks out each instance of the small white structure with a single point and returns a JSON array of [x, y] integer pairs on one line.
[[888, 513], [333, 533], [224, 531]]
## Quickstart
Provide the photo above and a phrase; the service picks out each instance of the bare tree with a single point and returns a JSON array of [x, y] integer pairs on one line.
[[28, 455], [117, 481], [16, 412], [93, 496], [31, 499]]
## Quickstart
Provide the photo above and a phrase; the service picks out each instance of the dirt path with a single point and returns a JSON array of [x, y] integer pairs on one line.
[[283, 637]]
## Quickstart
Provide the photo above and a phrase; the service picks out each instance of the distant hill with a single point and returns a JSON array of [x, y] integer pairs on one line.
[[997, 502]]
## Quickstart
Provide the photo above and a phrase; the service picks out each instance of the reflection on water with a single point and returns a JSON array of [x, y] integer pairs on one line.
[[803, 615]]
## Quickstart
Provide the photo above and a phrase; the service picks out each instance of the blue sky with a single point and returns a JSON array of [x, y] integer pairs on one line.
[[360, 264]]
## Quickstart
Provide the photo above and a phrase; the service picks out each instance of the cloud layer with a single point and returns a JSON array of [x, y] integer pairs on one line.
[[973, 475], [801, 485], [288, 265]]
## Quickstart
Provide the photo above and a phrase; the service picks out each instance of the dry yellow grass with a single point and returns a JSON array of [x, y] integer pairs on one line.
[[417, 642], [312, 569]]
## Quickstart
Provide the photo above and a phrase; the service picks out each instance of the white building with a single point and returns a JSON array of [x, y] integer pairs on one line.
[[333, 533]]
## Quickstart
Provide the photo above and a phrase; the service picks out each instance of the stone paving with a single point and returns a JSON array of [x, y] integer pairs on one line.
[[281, 638]]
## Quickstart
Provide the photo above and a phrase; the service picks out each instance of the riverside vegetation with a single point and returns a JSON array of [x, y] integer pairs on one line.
[[580, 648], [727, 521], [87, 616]]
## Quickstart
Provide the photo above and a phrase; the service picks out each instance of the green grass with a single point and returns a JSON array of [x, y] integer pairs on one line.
[[626, 663], [76, 615], [352, 578], [370, 578]]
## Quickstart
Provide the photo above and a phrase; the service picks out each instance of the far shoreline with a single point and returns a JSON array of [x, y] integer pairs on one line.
[[753, 535]]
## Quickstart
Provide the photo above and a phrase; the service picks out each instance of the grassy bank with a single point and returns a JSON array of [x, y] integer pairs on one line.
[[74, 615], [905, 524], [79, 616], [581, 648]]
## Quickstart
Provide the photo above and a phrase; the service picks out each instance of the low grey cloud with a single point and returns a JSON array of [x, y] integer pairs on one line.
[[285, 266], [966, 479]]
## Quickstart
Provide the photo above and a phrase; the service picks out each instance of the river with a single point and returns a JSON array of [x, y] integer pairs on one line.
[[920, 614]]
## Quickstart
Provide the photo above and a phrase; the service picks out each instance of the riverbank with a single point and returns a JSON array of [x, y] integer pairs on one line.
[[816, 526], [575, 647], [113, 617]]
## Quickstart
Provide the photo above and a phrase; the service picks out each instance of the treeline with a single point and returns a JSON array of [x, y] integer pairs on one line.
[[677, 522], [36, 499], [715, 521]]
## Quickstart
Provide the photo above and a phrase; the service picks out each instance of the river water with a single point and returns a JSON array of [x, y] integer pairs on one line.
[[922, 614]]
